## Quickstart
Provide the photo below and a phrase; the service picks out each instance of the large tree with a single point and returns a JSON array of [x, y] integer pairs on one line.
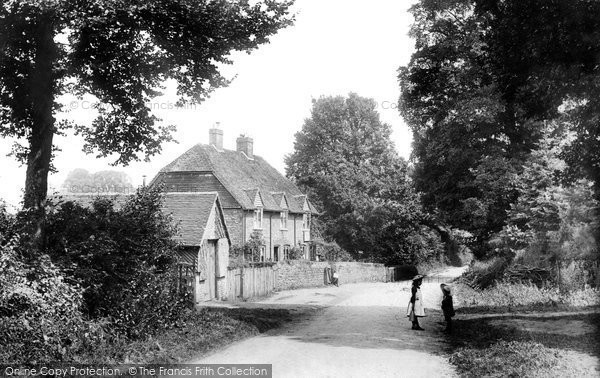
[[344, 158], [484, 80], [121, 52]]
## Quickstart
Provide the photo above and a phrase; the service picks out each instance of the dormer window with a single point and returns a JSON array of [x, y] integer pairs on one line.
[[306, 221], [284, 220], [258, 218]]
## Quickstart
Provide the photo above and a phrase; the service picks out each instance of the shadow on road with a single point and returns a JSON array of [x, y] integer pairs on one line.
[[570, 331]]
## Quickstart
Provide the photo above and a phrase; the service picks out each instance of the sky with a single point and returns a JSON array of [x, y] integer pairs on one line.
[[335, 47]]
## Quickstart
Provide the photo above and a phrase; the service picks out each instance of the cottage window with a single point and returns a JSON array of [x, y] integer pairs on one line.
[[263, 253], [286, 252], [284, 220], [306, 221], [258, 218]]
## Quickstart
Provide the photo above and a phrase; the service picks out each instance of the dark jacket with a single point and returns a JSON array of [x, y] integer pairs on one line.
[[447, 306]]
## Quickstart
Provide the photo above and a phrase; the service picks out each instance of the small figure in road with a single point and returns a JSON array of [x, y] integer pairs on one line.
[[415, 306], [447, 307], [335, 280]]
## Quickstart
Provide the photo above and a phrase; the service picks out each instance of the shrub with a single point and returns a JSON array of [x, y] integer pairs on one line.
[[249, 251], [296, 253], [40, 317], [111, 252], [149, 304], [6, 223], [483, 274], [333, 252]]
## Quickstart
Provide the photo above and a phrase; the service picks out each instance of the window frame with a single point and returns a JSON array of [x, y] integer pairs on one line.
[[286, 252], [283, 225], [306, 221], [258, 218]]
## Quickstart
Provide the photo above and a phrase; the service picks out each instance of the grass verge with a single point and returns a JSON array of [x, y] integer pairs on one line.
[[200, 333], [519, 359], [539, 344]]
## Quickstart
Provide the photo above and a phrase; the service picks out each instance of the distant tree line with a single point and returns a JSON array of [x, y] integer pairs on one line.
[[108, 181]]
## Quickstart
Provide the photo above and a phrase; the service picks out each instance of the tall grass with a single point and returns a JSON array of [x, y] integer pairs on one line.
[[519, 359], [510, 295]]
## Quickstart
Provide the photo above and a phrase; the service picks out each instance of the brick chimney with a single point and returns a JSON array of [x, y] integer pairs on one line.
[[245, 144], [215, 137]]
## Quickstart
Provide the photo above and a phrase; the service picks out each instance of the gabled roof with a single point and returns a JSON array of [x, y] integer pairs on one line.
[[255, 197], [192, 211], [239, 175], [281, 199]]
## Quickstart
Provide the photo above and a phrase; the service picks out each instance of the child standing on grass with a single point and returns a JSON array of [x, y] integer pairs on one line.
[[447, 306]]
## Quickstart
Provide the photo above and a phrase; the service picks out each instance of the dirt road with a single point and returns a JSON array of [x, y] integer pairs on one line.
[[356, 330]]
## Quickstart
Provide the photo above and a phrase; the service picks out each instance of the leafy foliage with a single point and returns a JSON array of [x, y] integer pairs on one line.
[[121, 53], [333, 252], [250, 251], [6, 223], [123, 258], [344, 159], [548, 223], [40, 317], [296, 253], [484, 81], [105, 293]]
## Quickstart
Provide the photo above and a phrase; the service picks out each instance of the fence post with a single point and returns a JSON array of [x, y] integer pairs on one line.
[[242, 283]]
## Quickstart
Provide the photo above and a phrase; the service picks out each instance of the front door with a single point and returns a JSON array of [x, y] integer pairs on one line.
[[211, 262]]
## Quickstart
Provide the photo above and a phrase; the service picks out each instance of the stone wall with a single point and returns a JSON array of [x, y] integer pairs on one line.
[[303, 273]]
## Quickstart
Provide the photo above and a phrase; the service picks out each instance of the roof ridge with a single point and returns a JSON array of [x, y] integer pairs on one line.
[[239, 175]]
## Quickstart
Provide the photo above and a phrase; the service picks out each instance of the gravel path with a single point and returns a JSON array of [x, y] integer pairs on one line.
[[356, 330]]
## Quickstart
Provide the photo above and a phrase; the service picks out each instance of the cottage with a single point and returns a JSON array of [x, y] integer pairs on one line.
[[254, 196], [203, 238], [204, 251]]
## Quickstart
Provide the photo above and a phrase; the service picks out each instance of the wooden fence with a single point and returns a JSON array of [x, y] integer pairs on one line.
[[250, 282]]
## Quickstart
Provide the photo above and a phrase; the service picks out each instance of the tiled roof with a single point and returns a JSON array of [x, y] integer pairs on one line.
[[191, 211], [187, 257], [240, 175], [281, 200]]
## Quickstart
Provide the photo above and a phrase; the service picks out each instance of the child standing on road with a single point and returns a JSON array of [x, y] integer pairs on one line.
[[447, 307], [415, 306]]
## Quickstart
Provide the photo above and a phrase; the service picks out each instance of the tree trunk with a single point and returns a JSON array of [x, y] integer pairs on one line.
[[41, 91]]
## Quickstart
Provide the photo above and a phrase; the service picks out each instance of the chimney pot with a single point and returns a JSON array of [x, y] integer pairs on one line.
[[245, 144], [215, 136]]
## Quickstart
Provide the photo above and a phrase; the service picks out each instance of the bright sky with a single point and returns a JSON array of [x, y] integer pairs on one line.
[[335, 47]]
